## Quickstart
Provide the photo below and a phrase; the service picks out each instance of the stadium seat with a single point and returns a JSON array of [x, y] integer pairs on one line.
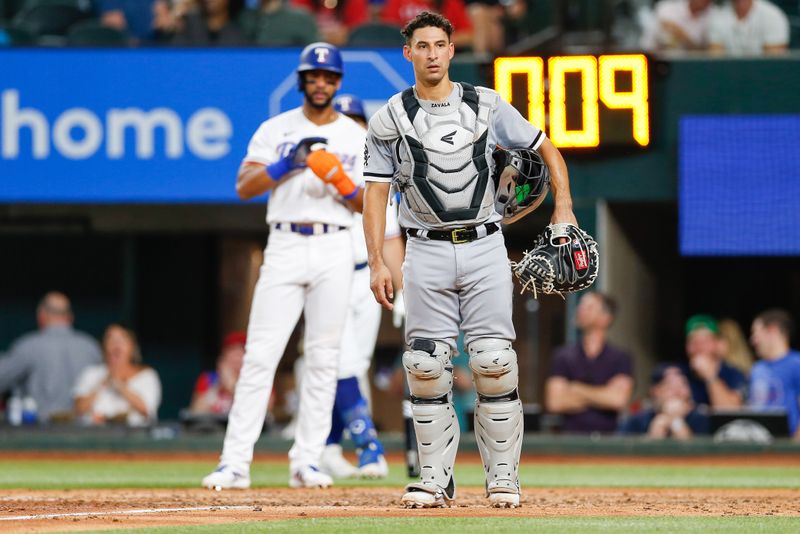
[[286, 27], [377, 34], [46, 20], [92, 33]]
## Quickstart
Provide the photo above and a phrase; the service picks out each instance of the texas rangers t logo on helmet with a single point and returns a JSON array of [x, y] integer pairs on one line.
[[322, 54], [344, 103]]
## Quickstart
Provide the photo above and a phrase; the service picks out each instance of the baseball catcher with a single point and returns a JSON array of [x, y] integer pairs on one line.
[[563, 260]]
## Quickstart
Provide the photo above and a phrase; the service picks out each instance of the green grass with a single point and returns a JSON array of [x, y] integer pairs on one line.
[[64, 474], [417, 525]]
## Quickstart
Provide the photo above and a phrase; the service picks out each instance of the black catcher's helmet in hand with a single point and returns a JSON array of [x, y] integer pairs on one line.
[[555, 267], [521, 182]]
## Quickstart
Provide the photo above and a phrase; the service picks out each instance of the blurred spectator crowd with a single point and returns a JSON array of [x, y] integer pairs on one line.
[[58, 374], [485, 27], [591, 383]]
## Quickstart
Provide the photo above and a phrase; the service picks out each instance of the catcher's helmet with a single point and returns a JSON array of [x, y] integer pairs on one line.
[[319, 56], [521, 181], [350, 105]]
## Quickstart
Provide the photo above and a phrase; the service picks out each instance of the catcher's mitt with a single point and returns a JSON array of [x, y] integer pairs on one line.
[[555, 267]]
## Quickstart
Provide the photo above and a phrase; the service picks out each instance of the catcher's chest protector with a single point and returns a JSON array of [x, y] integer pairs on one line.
[[445, 159]]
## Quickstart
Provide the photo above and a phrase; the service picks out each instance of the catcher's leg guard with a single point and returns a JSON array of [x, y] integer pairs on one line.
[[430, 380], [498, 417]]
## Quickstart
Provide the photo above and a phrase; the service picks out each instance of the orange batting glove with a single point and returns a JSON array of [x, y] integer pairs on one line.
[[329, 169]]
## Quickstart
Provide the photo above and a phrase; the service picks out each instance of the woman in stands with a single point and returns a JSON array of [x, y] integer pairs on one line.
[[121, 390]]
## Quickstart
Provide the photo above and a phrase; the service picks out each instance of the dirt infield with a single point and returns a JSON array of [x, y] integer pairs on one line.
[[104, 509], [92, 509]]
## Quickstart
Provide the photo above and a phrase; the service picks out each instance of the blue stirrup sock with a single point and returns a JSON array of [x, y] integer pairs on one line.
[[351, 409]]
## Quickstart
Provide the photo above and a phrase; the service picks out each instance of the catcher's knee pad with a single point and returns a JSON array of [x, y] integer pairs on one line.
[[494, 366], [498, 429], [428, 368], [436, 425]]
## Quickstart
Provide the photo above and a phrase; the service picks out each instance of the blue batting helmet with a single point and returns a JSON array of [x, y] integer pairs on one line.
[[350, 105], [321, 56]]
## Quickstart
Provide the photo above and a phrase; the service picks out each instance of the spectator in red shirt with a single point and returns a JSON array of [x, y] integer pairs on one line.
[[399, 12], [335, 19], [213, 391]]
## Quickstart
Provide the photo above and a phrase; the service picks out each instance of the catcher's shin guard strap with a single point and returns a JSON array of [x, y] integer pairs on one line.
[[498, 429], [494, 366], [428, 368], [437, 431]]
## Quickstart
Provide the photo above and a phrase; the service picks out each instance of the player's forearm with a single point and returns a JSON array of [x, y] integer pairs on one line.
[[393, 254], [375, 198], [253, 180], [357, 202], [559, 177]]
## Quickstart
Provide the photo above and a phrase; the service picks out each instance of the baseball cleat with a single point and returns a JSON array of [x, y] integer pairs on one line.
[[310, 477], [335, 464], [424, 499], [376, 469], [371, 462], [420, 495], [504, 500], [226, 478]]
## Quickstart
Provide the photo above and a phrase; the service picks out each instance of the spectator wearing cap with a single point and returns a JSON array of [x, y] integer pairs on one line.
[[213, 391], [713, 382], [45, 364], [591, 381], [672, 412], [775, 379]]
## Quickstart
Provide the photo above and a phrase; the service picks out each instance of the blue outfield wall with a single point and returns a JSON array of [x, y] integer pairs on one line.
[[80, 126]]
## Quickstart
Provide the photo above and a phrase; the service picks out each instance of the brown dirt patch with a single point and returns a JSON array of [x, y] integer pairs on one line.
[[271, 504]]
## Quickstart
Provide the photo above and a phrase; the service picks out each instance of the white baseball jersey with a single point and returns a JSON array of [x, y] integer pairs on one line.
[[300, 196]]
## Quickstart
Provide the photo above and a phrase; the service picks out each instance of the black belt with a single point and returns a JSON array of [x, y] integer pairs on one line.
[[360, 266], [455, 235]]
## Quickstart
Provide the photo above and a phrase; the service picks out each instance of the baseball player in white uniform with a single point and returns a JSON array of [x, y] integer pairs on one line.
[[434, 142], [351, 410], [308, 266]]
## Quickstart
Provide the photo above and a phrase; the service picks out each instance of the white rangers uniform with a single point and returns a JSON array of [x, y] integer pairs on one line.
[[308, 267], [364, 315]]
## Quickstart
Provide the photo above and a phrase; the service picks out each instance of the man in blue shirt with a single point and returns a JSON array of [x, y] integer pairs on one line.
[[775, 380]]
